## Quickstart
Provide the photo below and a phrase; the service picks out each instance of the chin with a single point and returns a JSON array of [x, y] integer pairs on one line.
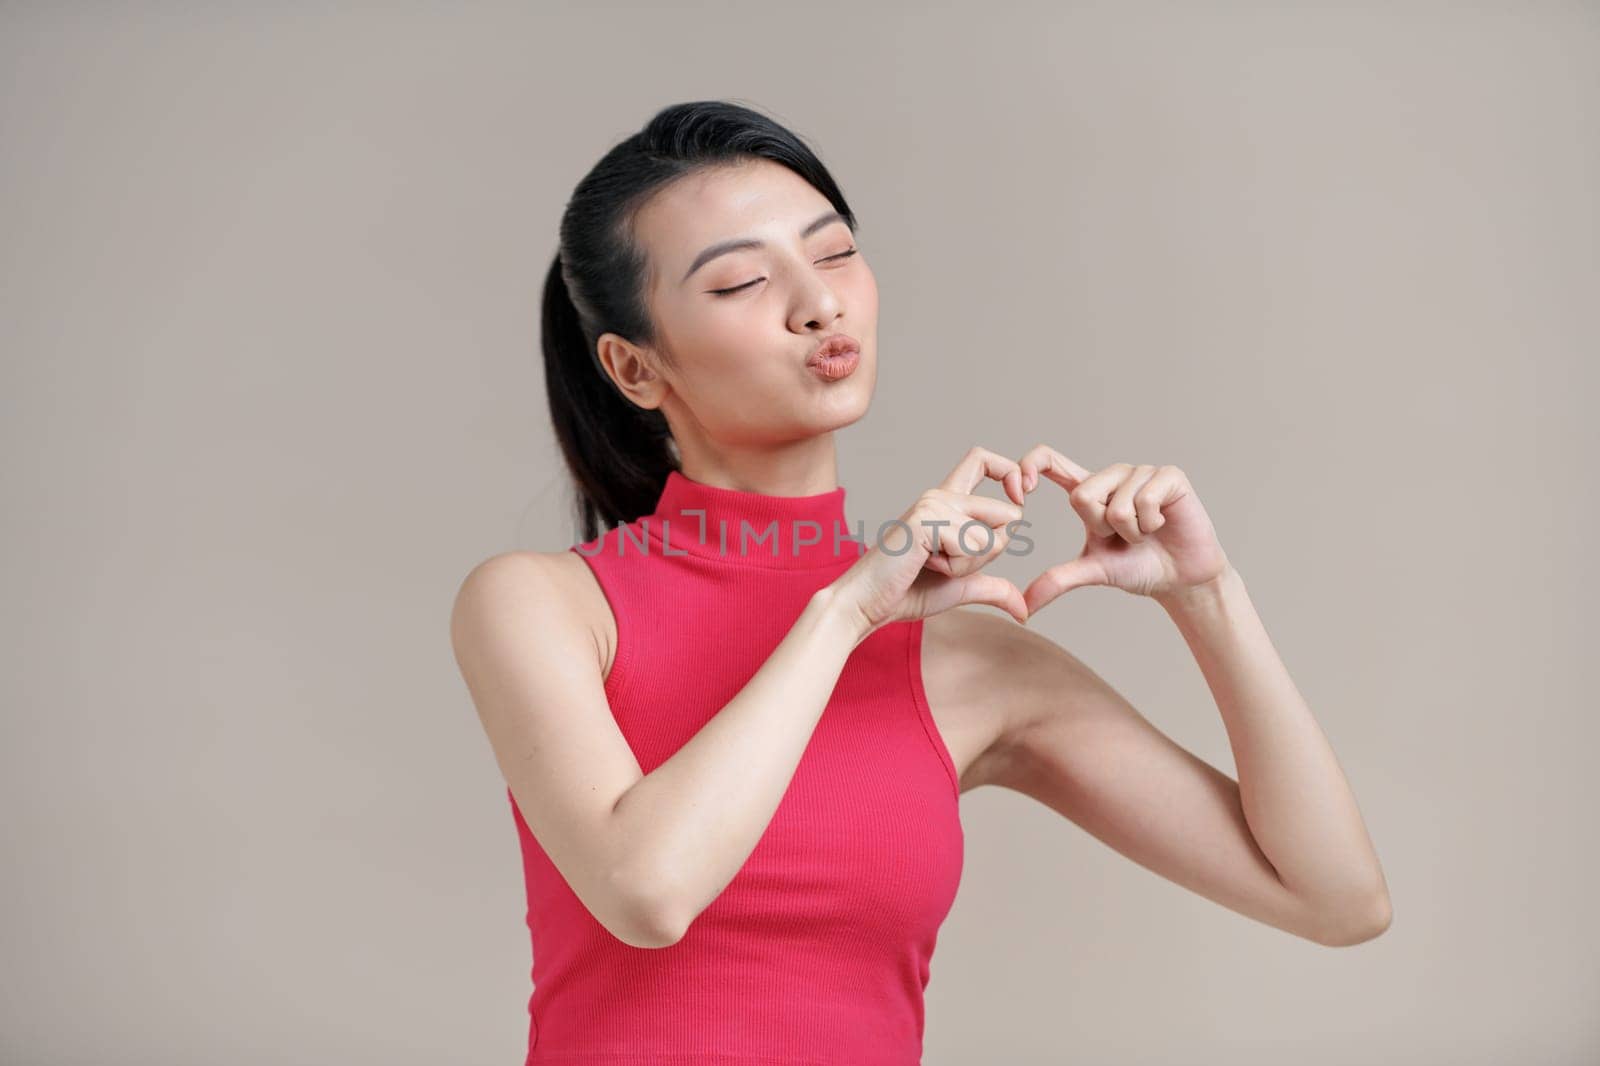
[[847, 401]]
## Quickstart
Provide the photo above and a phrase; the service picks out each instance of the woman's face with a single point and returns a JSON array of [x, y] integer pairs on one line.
[[740, 325]]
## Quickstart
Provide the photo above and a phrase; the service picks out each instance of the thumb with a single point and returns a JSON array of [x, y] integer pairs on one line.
[[1061, 578], [994, 590]]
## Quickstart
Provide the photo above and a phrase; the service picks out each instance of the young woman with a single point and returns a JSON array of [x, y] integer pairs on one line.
[[735, 727]]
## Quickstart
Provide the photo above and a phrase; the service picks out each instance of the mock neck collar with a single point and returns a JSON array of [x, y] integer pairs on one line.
[[752, 528]]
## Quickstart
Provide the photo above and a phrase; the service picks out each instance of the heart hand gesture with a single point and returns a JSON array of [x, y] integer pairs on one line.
[[1147, 533]]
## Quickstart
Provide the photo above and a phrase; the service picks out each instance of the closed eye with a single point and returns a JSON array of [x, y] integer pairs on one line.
[[740, 288]]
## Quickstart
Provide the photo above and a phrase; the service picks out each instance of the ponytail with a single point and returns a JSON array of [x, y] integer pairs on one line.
[[619, 453]]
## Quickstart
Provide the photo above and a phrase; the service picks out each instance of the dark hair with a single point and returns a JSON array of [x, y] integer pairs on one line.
[[620, 454]]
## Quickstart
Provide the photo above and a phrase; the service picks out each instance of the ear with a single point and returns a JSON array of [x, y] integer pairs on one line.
[[632, 368]]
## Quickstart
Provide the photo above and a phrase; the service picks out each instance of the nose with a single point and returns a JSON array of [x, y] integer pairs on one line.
[[816, 307]]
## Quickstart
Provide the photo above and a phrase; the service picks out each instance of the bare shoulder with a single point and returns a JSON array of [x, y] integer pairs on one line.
[[523, 632], [558, 585], [987, 678]]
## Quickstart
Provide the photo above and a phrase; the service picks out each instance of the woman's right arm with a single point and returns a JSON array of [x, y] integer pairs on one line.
[[646, 853]]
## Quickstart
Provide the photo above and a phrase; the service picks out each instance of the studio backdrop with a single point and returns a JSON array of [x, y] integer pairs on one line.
[[272, 386]]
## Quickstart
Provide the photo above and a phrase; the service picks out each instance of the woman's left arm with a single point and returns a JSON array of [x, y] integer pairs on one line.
[[1286, 841], [1294, 796]]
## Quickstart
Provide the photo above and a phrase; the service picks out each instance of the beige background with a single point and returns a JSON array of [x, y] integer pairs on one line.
[[269, 314]]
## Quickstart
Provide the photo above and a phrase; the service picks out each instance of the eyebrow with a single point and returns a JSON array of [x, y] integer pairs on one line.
[[743, 243]]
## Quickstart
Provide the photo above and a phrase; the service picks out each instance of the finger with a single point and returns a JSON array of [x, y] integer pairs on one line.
[[1090, 496], [960, 508], [970, 545], [980, 463], [1060, 579], [1121, 513], [980, 541], [1043, 460], [1160, 490], [995, 590], [969, 530]]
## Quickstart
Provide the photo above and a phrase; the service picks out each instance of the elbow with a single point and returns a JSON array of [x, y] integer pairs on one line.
[[649, 929], [1356, 924], [1381, 917], [644, 916]]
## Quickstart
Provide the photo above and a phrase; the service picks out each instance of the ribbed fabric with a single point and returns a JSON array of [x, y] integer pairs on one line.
[[819, 949]]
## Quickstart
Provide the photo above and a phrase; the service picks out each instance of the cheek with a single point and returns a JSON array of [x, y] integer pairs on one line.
[[734, 347], [711, 339], [861, 299], [731, 354]]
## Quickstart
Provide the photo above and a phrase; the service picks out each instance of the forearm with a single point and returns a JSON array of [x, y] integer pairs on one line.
[[689, 825], [1298, 804]]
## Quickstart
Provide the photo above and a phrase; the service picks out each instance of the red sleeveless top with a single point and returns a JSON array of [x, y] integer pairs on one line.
[[818, 950]]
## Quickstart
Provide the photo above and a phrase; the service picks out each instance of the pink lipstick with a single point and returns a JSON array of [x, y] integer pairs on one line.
[[836, 357]]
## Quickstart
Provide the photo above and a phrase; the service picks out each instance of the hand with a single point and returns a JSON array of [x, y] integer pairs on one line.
[[1147, 533], [940, 568]]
